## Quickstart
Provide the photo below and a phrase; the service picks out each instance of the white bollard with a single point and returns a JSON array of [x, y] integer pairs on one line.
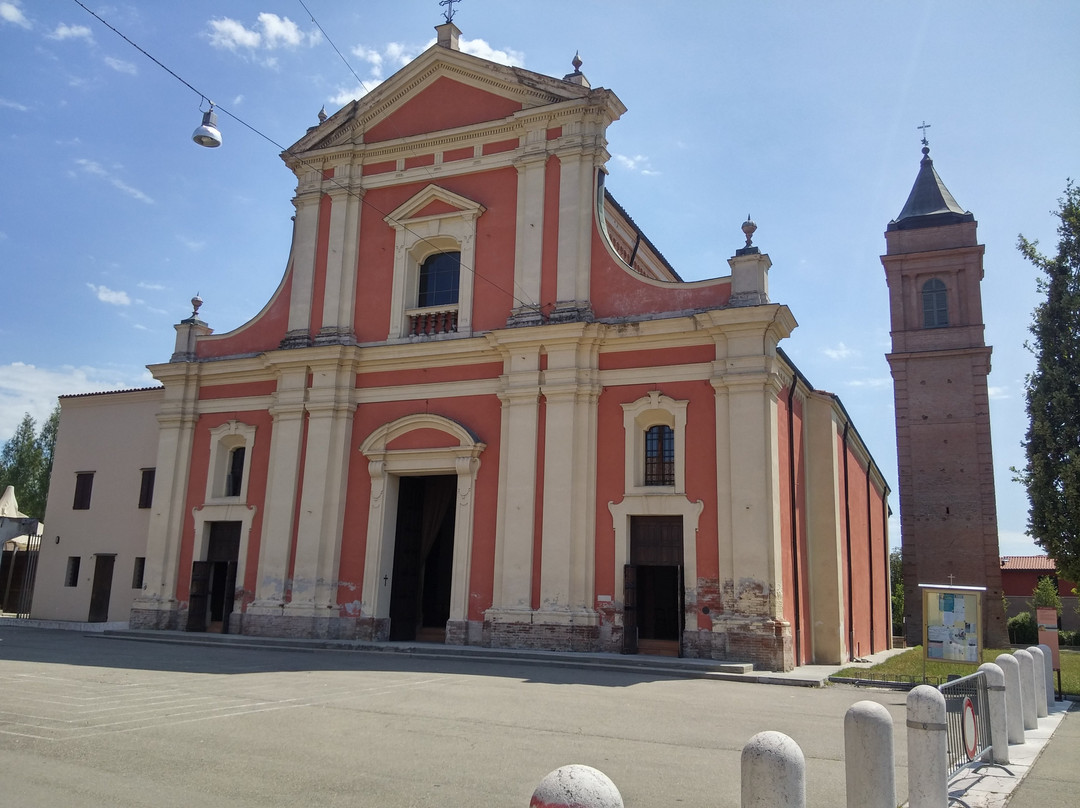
[[1040, 680], [1050, 695], [1014, 708], [868, 756], [773, 772], [995, 694], [928, 748], [576, 786], [1027, 688]]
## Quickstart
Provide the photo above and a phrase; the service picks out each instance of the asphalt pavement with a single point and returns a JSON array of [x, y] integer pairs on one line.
[[140, 719]]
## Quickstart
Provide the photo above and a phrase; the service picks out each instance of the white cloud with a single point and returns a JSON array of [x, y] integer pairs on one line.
[[152, 287], [120, 66], [230, 34], [478, 47], [191, 243], [841, 351], [283, 32], [111, 296], [638, 163], [10, 12], [997, 392], [348, 94], [94, 169], [269, 32], [13, 105], [30, 389], [65, 31]]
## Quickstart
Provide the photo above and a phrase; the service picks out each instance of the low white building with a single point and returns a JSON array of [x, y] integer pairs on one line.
[[91, 561]]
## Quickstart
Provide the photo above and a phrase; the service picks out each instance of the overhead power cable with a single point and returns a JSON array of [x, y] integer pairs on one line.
[[362, 198]]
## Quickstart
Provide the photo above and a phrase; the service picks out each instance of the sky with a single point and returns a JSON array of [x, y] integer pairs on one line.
[[801, 115]]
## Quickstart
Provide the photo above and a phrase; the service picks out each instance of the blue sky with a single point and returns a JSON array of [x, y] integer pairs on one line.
[[803, 115]]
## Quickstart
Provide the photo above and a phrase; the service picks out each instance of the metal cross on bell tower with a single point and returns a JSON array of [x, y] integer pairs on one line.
[[924, 127], [449, 13]]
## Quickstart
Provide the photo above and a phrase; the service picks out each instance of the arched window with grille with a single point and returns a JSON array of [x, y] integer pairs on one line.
[[935, 304], [659, 455], [439, 280]]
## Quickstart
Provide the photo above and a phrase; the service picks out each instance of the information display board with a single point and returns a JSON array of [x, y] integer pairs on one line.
[[952, 623]]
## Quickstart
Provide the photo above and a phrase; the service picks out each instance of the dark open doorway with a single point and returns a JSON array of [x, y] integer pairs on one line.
[[653, 612], [101, 590], [423, 558], [213, 581]]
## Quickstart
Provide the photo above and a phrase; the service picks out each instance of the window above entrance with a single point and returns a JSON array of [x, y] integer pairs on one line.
[[434, 263], [655, 440]]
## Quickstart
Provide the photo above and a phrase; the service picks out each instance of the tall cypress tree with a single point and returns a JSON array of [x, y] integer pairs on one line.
[[1052, 443], [26, 463]]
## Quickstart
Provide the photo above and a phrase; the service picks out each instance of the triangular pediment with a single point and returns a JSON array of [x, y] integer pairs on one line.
[[441, 89], [432, 203]]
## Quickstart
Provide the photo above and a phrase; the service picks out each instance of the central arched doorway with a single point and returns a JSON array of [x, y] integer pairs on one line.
[[423, 558]]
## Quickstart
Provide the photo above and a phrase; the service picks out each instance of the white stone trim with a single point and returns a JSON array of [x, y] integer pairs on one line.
[[657, 505], [417, 237], [386, 466], [223, 439], [653, 410]]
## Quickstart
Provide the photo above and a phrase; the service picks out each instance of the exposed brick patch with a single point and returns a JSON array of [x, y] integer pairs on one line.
[[154, 619], [541, 637]]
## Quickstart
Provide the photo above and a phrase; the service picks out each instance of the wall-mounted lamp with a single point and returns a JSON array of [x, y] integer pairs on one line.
[[207, 134]]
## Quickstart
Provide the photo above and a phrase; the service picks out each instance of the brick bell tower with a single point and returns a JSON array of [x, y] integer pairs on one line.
[[939, 362]]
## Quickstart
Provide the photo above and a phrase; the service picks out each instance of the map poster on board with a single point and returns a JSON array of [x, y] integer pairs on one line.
[[952, 623]]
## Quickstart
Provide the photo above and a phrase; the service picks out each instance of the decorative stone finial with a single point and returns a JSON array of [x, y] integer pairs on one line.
[[322, 114], [748, 228], [576, 61], [196, 303]]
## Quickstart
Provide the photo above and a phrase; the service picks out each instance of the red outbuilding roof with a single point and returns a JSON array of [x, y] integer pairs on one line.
[[1039, 562]]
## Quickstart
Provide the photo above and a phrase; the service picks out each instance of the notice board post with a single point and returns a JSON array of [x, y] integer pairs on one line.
[[952, 624]]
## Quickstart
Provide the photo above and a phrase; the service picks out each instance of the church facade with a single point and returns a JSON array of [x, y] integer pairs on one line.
[[483, 409]]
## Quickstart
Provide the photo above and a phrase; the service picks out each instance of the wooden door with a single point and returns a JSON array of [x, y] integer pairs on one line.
[[199, 595], [101, 590], [630, 628]]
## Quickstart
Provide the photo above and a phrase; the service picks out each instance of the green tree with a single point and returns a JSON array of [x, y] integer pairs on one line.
[[896, 578], [1045, 594], [26, 463], [1052, 443]]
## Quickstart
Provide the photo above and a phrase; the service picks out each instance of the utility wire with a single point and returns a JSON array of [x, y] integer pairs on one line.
[[335, 47], [361, 197]]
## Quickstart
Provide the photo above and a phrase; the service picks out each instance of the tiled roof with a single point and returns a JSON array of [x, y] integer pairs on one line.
[[1039, 562]]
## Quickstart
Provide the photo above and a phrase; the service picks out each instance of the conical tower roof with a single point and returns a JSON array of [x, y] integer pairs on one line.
[[929, 204]]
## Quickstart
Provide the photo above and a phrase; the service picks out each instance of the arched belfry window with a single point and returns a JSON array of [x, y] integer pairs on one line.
[[659, 455], [935, 304], [440, 275]]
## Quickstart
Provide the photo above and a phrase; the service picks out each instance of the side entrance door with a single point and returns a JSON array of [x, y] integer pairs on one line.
[[656, 578], [213, 581], [101, 590]]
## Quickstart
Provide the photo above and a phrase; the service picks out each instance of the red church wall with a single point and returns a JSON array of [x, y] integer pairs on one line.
[[791, 448], [258, 470], [661, 357], [322, 248], [700, 470], [446, 104], [617, 291], [432, 375], [549, 261], [858, 579], [479, 414], [492, 290], [246, 390], [263, 332]]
